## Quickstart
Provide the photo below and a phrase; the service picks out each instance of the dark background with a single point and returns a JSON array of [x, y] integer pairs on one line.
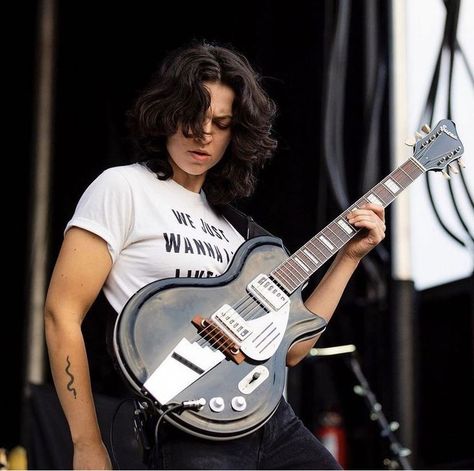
[[106, 52]]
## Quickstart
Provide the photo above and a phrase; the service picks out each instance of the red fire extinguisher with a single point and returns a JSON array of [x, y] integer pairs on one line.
[[332, 435]]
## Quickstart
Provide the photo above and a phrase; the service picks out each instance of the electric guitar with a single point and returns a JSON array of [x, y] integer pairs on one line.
[[222, 342]]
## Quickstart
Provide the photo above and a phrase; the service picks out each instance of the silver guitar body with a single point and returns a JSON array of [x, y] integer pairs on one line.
[[163, 356]]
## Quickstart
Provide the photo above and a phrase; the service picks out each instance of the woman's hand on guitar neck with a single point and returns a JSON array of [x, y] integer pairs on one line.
[[371, 219]]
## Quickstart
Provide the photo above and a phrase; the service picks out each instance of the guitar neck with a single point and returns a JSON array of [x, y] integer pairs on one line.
[[296, 270]]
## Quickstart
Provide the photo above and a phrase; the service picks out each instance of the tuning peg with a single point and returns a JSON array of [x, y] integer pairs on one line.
[[446, 174], [454, 168], [461, 163], [426, 128], [418, 136], [411, 141]]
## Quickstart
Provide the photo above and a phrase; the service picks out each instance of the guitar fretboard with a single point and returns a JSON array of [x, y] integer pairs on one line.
[[296, 270]]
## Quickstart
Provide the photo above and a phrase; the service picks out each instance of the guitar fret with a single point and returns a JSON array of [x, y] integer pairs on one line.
[[281, 272], [310, 256], [402, 176], [359, 203], [330, 239], [320, 248], [295, 268], [301, 264], [384, 195], [279, 282], [412, 168], [306, 260], [290, 272], [332, 236], [340, 234]]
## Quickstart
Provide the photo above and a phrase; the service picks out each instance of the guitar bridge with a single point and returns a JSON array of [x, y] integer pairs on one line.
[[218, 338]]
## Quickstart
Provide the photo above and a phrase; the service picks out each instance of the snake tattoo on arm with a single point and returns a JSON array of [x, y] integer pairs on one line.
[[73, 390]]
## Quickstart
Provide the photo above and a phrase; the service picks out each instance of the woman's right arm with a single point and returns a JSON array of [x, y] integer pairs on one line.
[[81, 269]]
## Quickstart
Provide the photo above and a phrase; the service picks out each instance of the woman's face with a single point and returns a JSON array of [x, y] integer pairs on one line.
[[191, 158]]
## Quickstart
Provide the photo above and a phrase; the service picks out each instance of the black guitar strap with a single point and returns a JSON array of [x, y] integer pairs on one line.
[[245, 224]]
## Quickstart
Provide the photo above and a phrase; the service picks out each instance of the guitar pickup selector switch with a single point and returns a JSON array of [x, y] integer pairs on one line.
[[255, 378]]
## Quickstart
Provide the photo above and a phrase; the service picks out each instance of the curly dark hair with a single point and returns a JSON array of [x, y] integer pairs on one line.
[[177, 96]]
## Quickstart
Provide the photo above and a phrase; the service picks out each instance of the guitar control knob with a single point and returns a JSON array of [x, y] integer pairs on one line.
[[217, 404], [239, 403]]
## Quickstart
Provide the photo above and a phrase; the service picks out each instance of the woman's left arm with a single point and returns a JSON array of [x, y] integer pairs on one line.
[[323, 301]]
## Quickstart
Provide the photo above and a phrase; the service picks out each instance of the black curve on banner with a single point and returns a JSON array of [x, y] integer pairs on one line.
[[469, 196], [460, 217], [428, 187], [452, 49], [471, 76], [466, 63], [431, 100]]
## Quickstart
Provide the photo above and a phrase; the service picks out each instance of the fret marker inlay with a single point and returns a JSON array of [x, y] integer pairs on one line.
[[373, 199], [311, 256], [326, 242], [345, 226], [391, 185], [301, 264]]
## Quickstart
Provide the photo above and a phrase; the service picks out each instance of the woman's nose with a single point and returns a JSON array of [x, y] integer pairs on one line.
[[207, 129]]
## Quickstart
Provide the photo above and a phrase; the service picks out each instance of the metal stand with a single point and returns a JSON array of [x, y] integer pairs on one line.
[[375, 408]]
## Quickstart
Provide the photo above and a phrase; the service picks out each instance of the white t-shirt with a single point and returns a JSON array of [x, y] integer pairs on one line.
[[154, 229]]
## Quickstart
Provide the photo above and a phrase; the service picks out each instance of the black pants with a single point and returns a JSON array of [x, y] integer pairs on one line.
[[282, 443]]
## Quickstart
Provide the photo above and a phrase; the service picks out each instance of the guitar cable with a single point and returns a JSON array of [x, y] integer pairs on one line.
[[195, 404], [139, 421]]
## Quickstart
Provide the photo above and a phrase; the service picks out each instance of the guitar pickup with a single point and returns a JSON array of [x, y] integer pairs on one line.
[[229, 319], [267, 293]]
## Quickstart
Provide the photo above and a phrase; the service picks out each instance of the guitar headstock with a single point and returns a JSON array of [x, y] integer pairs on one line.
[[436, 149]]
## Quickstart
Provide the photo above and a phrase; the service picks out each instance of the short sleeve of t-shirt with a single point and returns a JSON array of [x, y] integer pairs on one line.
[[106, 209], [154, 229]]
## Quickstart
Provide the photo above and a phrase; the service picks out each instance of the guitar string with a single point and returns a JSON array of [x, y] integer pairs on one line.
[[241, 311], [295, 275], [255, 309], [295, 278], [253, 306], [293, 271]]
